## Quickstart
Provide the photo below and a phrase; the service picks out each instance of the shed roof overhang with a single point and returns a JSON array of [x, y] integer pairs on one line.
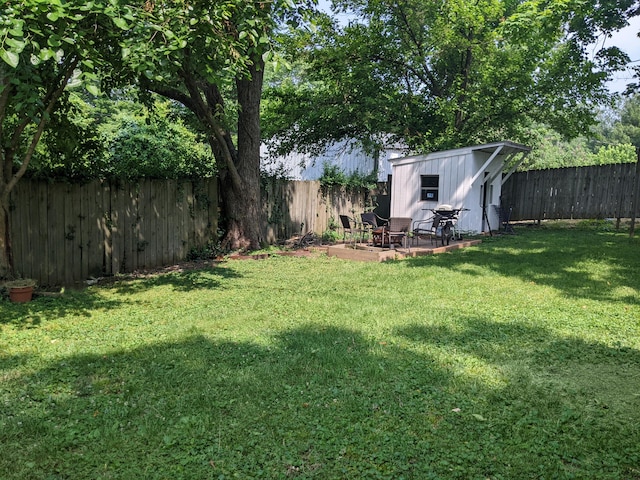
[[506, 148]]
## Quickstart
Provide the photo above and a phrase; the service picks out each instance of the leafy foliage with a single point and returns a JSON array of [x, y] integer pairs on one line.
[[625, 127], [333, 176], [554, 151], [121, 138], [439, 75]]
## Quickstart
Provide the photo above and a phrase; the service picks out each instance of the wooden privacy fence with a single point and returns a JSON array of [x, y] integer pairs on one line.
[[574, 192], [296, 207], [64, 233]]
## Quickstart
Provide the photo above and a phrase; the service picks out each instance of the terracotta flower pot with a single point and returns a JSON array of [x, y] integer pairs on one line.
[[21, 294]]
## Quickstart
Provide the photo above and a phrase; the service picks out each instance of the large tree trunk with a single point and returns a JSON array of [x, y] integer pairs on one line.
[[241, 206]]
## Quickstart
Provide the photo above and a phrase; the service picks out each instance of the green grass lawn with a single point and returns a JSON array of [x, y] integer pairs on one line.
[[515, 359]]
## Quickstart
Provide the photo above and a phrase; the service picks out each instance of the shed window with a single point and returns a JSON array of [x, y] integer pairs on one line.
[[429, 187]]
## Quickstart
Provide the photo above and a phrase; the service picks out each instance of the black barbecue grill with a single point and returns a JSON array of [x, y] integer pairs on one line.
[[443, 224]]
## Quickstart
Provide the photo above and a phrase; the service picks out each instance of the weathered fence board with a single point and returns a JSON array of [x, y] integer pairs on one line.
[[574, 192], [65, 233], [291, 208]]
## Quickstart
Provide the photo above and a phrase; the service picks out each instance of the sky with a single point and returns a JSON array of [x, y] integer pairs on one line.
[[628, 41]]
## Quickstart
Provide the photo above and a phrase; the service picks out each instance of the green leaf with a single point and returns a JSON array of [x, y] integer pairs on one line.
[[46, 53], [10, 57], [93, 89], [121, 23], [53, 16], [54, 41], [17, 45]]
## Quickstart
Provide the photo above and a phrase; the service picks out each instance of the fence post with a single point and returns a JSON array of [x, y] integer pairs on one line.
[[634, 195]]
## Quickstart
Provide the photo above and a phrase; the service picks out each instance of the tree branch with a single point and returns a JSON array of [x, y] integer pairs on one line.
[[204, 111], [51, 98], [430, 78]]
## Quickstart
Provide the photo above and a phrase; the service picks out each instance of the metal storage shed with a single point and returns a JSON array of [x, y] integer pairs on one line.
[[470, 177]]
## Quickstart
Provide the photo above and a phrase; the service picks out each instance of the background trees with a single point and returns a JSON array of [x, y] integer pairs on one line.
[[123, 138], [613, 139], [442, 74]]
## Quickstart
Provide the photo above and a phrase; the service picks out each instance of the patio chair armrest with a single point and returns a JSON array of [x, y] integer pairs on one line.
[[382, 221], [424, 224]]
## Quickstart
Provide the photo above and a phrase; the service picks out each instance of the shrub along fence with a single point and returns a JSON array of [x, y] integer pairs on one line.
[[573, 192], [66, 233]]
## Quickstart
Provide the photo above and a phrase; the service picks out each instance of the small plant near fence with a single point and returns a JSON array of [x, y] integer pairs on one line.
[[333, 176], [211, 250]]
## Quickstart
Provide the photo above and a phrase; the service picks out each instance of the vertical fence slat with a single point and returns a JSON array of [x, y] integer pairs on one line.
[[143, 222], [20, 224], [96, 250], [183, 222], [118, 207], [169, 242], [105, 224], [85, 223], [212, 193], [152, 227], [69, 235], [133, 228], [578, 192], [40, 218]]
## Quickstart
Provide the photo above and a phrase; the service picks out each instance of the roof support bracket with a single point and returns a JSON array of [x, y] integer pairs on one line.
[[486, 164]]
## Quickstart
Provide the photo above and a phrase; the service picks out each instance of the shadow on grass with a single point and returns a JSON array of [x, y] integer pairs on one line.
[[580, 263], [500, 343], [34, 313], [319, 402], [207, 278], [81, 303]]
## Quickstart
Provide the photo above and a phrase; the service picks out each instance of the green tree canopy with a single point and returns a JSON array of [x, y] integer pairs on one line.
[[45, 47], [443, 74]]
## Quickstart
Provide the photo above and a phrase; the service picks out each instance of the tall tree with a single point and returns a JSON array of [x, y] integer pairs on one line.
[[45, 46], [443, 74], [209, 56]]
